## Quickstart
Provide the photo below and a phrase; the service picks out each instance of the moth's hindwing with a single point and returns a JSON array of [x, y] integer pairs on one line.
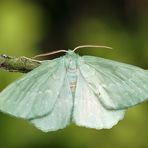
[[60, 115], [89, 111]]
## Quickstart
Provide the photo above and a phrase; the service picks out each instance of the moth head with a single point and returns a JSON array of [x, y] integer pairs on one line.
[[71, 58], [71, 53]]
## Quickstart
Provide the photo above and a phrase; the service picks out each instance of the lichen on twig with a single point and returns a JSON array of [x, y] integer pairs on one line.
[[18, 64]]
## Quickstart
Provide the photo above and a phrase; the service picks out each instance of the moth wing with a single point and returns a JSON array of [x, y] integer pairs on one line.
[[34, 94], [88, 110], [118, 85], [60, 116]]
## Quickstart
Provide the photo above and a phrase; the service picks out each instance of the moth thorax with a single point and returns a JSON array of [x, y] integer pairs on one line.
[[72, 67], [71, 60]]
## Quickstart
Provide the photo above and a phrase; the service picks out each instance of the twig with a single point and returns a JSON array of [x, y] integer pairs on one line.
[[18, 64]]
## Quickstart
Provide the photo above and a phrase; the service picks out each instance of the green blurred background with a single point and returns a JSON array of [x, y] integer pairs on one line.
[[30, 27]]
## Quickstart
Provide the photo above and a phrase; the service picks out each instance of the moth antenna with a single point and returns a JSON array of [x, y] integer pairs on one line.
[[93, 46], [50, 53]]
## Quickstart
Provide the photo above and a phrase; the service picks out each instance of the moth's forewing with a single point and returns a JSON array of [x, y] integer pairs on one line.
[[119, 85], [34, 94]]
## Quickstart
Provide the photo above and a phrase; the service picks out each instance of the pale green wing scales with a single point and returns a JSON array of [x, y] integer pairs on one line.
[[88, 110], [36, 93], [117, 85], [60, 116]]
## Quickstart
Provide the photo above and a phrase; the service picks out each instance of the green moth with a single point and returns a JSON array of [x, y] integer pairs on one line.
[[89, 91]]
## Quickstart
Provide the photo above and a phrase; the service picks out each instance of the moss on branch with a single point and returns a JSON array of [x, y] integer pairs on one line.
[[18, 64]]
